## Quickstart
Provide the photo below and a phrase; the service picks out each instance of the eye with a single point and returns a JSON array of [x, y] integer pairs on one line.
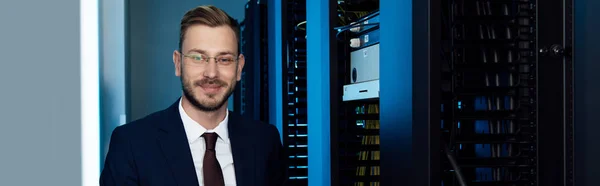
[[226, 59]]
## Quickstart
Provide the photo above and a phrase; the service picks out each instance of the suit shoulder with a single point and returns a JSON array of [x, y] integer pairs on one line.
[[257, 126], [268, 128], [143, 124]]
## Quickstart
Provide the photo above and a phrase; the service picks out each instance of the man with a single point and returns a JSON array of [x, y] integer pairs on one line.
[[197, 141]]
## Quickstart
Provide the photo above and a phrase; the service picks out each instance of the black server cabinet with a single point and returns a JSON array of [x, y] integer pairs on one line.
[[295, 136], [506, 91], [251, 98], [555, 95]]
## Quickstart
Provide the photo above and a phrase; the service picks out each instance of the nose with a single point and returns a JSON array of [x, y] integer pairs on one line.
[[210, 70]]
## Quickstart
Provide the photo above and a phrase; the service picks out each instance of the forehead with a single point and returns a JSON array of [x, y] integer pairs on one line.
[[213, 40]]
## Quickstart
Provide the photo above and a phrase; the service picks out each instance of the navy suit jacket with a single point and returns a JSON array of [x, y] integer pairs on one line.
[[154, 151]]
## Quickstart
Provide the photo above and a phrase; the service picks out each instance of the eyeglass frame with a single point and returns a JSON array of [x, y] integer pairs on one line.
[[191, 56]]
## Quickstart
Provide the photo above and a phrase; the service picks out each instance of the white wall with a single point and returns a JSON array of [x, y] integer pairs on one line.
[[40, 116]]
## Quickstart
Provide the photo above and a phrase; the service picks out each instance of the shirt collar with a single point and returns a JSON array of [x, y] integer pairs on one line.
[[194, 130]]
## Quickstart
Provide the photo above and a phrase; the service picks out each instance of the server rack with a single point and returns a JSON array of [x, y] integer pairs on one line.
[[251, 98], [295, 136], [507, 92], [355, 127], [489, 110], [492, 98]]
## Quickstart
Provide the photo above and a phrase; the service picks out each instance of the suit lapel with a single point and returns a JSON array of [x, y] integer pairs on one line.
[[243, 151], [174, 144]]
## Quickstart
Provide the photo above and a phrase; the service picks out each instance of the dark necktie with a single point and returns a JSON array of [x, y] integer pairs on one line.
[[213, 175]]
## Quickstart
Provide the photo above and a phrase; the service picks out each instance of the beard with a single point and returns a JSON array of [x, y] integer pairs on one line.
[[214, 101]]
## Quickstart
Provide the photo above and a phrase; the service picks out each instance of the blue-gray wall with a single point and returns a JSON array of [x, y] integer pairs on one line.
[[112, 70], [152, 36], [587, 92], [40, 138]]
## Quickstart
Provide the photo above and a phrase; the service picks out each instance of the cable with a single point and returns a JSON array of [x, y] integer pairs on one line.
[[358, 21], [342, 20], [298, 26], [346, 28], [457, 171], [355, 24], [368, 16]]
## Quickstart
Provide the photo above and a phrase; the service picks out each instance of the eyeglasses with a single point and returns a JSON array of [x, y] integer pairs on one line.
[[221, 60]]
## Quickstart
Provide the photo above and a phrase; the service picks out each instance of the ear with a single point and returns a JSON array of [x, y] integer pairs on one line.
[[240, 67], [177, 62]]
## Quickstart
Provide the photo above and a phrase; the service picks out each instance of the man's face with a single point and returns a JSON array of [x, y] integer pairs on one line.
[[207, 85]]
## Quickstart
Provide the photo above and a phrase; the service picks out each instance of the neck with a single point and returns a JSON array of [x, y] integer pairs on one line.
[[208, 120]]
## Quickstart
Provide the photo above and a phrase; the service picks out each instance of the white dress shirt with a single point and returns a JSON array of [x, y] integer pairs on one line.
[[194, 132]]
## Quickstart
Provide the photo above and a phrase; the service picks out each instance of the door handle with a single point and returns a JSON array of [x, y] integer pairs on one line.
[[555, 50]]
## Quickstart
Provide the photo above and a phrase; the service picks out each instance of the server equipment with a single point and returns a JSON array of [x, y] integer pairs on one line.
[[295, 136], [355, 92], [505, 112], [251, 98], [492, 95], [364, 58]]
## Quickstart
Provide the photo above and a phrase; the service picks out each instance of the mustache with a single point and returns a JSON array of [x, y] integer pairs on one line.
[[210, 82]]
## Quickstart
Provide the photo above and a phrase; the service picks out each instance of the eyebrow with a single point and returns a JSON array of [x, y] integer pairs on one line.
[[204, 52]]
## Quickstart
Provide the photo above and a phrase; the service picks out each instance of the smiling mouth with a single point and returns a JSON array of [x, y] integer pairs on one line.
[[211, 89], [211, 86]]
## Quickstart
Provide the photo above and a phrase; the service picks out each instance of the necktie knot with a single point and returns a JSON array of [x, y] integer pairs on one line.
[[211, 140]]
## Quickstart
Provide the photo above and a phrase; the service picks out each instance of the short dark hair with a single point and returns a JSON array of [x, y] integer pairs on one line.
[[210, 16]]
